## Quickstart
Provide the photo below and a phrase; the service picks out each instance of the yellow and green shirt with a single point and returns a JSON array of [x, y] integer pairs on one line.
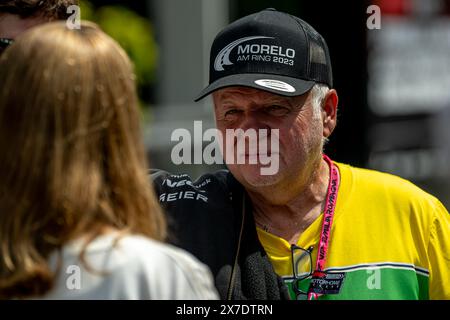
[[390, 238]]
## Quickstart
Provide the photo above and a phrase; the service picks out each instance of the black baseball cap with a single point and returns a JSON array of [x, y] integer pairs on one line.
[[269, 50]]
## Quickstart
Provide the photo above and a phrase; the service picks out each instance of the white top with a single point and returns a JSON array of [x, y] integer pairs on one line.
[[136, 268]]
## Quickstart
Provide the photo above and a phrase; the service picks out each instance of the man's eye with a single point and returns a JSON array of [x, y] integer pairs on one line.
[[277, 110], [232, 112]]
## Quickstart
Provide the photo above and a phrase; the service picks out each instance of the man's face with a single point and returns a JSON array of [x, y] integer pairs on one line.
[[12, 25], [300, 131]]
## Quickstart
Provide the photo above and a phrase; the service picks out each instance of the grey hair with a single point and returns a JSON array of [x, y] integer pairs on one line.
[[318, 94]]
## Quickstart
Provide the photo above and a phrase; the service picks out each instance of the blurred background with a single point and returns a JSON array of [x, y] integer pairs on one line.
[[393, 82]]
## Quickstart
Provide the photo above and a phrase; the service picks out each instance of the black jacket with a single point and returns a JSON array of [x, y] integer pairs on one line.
[[212, 218]]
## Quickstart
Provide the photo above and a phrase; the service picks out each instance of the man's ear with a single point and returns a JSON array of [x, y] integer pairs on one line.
[[329, 112]]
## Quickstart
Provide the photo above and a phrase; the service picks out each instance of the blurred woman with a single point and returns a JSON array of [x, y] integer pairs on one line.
[[78, 217]]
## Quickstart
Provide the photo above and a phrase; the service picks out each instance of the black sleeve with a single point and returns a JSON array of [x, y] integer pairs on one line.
[[200, 215]]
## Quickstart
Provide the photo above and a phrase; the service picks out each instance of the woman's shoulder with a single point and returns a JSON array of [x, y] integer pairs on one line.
[[169, 272], [114, 251], [137, 247], [160, 270], [116, 266]]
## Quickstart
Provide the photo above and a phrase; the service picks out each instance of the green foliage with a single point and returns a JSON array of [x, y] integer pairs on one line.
[[86, 10], [133, 32]]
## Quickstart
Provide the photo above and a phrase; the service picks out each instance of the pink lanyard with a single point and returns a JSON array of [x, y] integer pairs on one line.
[[330, 206]]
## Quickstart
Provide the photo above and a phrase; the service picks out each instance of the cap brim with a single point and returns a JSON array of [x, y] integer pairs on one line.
[[281, 85]]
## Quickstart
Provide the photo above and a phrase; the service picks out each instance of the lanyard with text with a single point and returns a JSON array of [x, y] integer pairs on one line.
[[328, 213]]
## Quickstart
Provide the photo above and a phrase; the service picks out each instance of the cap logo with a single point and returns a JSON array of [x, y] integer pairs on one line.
[[223, 57], [275, 85]]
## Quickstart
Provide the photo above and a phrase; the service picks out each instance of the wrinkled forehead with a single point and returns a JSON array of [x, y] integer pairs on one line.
[[11, 25], [237, 93]]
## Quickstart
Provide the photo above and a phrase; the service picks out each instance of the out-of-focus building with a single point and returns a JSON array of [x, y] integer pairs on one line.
[[409, 93], [185, 31]]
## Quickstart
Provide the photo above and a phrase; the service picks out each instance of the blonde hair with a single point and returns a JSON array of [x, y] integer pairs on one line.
[[73, 160]]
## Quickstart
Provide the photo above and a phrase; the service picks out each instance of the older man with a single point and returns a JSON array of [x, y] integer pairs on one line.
[[17, 16], [314, 229]]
